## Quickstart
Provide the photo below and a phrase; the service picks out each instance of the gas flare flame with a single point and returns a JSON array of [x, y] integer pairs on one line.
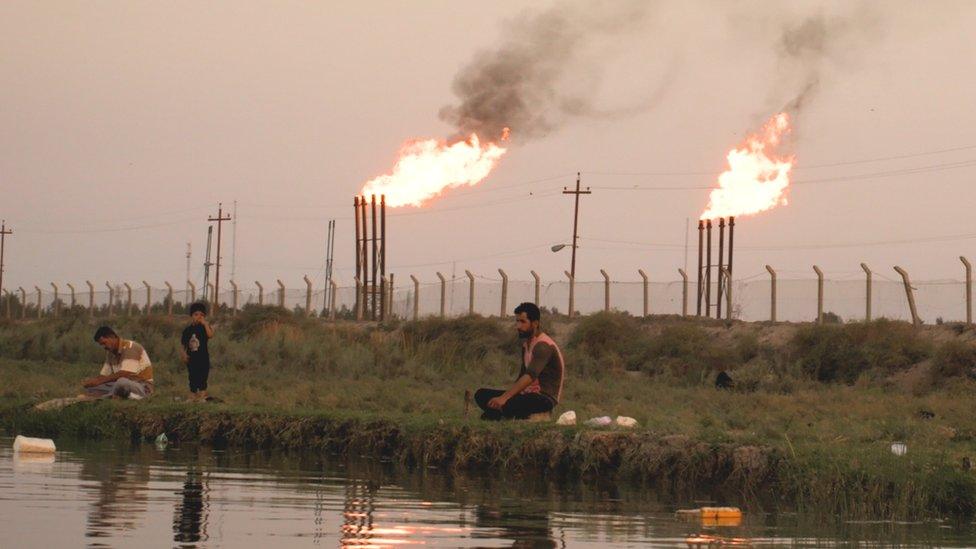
[[426, 168], [757, 177]]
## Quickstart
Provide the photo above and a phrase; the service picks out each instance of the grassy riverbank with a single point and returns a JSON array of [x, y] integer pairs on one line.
[[810, 420]]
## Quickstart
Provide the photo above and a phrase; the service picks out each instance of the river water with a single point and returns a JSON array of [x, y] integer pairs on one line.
[[111, 494]]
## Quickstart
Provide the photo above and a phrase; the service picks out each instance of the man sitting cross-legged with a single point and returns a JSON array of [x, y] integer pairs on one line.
[[127, 372], [540, 381]]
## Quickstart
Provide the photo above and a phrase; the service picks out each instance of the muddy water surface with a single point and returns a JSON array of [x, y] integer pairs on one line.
[[122, 495]]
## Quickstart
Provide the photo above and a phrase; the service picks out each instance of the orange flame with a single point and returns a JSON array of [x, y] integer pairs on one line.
[[426, 168], [757, 179]]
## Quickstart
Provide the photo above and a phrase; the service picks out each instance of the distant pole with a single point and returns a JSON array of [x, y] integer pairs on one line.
[[375, 252], [329, 258], [576, 193], [365, 260], [3, 236], [687, 229], [701, 241], [220, 221], [189, 254], [207, 263], [233, 245], [385, 285]]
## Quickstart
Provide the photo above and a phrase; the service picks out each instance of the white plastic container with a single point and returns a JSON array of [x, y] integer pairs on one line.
[[28, 445]]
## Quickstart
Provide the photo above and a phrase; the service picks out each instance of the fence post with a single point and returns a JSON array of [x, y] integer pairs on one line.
[[504, 308], [111, 299], [772, 293], [911, 296], [538, 286], [727, 277], [211, 291], [332, 300], [23, 302], [820, 292], [38, 301], [443, 292], [969, 289], [416, 297], [606, 290], [91, 298], [56, 305], [281, 294], [148, 297], [128, 299], [308, 295], [647, 294], [684, 292], [234, 297], [470, 291], [169, 298], [867, 292], [9, 299], [72, 288], [572, 294], [260, 292], [359, 299]]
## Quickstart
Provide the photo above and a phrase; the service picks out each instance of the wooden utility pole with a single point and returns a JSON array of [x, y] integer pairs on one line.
[[220, 220], [577, 193], [3, 236]]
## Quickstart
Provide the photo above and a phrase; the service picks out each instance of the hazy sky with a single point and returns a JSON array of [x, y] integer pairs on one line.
[[123, 124]]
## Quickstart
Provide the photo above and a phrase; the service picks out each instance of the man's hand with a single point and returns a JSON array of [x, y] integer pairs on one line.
[[93, 381], [498, 402]]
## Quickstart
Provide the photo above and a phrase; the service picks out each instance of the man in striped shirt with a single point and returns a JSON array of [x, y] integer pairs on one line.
[[126, 373]]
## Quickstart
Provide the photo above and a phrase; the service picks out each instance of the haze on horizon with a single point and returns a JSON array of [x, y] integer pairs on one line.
[[124, 124]]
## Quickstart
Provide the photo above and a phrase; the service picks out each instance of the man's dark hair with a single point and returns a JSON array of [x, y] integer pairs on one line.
[[531, 310], [198, 307], [104, 331]]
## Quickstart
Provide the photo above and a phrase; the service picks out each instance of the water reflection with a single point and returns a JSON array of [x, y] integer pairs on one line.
[[357, 516], [138, 496], [121, 495], [191, 513], [528, 530]]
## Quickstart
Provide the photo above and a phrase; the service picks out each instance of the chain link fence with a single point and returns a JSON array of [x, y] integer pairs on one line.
[[796, 299]]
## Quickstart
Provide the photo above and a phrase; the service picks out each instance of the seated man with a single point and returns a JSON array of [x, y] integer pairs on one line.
[[127, 372], [540, 381]]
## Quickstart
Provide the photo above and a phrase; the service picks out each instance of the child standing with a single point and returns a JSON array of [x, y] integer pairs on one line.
[[194, 352]]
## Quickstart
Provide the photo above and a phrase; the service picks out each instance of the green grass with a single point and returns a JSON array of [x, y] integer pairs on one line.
[[812, 416]]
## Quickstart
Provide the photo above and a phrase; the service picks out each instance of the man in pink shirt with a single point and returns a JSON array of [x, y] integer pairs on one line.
[[540, 381]]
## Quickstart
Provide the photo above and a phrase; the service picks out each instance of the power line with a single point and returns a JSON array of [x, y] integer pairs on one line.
[[871, 175], [789, 247]]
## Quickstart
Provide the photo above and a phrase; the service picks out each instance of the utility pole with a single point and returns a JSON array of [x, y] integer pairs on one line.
[[577, 192], [687, 225], [3, 237], [189, 253], [329, 259], [233, 246], [220, 220], [207, 263]]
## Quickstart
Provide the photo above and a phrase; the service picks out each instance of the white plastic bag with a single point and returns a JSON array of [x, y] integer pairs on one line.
[[601, 421], [567, 418]]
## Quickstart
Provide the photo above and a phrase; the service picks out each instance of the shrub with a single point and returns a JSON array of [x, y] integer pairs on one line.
[[954, 359], [841, 353]]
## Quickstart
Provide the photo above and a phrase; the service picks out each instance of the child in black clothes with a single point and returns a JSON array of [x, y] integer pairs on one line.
[[194, 352]]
